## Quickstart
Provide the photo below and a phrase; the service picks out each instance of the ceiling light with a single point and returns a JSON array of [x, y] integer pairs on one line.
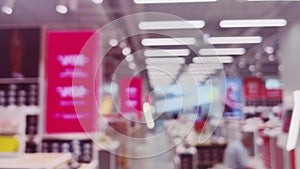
[[97, 1], [223, 59], [132, 66], [162, 67], [62, 9], [168, 41], [162, 73], [235, 40], [166, 52], [129, 58], [169, 1], [222, 51], [165, 61], [126, 51], [201, 71], [113, 42], [194, 66], [157, 25], [8, 6], [253, 23]]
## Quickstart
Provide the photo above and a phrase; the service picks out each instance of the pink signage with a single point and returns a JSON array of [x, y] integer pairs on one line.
[[131, 96], [71, 75]]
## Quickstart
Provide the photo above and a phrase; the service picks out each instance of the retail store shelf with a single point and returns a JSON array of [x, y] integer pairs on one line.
[[18, 80]]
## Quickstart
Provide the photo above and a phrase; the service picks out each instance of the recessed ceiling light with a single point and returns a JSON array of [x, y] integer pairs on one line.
[[235, 40], [166, 52], [157, 25], [113, 42], [223, 59], [97, 1], [126, 51], [168, 41], [7, 10], [62, 9], [129, 58], [253, 23], [150, 61], [132, 66], [222, 51], [169, 1]]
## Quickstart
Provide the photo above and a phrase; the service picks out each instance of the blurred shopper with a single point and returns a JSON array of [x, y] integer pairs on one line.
[[236, 154]]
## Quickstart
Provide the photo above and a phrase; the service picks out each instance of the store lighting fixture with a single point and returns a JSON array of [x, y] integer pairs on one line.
[[113, 42], [97, 1], [162, 67], [8, 6], [129, 58], [221, 51], [166, 52], [295, 123], [163, 72], [253, 23], [206, 66], [61, 9], [158, 25], [235, 40], [132, 66], [223, 59], [168, 41], [200, 71], [157, 61], [126, 51], [170, 1]]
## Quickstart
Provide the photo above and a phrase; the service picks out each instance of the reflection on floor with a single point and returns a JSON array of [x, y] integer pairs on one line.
[[155, 161]]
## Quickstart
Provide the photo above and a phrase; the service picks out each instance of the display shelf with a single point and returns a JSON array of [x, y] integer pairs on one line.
[[36, 161], [19, 80]]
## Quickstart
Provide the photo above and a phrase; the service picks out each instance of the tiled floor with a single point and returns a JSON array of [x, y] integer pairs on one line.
[[157, 159]]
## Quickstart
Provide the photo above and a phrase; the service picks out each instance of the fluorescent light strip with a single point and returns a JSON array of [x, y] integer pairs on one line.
[[253, 23], [198, 72], [166, 52], [168, 41], [158, 25], [235, 40], [205, 66], [162, 67], [158, 61], [162, 73], [224, 59], [222, 51], [169, 1]]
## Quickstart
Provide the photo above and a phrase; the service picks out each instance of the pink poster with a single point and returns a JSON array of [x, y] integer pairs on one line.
[[131, 96], [71, 75]]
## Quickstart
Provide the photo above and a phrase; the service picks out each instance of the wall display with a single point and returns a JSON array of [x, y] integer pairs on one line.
[[257, 92], [131, 96], [82, 150], [233, 99], [71, 73]]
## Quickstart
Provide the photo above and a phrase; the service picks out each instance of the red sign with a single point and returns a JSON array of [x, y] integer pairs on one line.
[[71, 66], [273, 94], [131, 96], [253, 87]]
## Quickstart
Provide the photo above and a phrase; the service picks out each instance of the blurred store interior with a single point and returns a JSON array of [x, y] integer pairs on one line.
[[127, 84]]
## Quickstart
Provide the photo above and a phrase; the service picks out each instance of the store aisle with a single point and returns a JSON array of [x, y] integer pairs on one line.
[[156, 161]]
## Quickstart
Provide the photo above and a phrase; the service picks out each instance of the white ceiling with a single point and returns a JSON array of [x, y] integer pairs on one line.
[[86, 13]]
